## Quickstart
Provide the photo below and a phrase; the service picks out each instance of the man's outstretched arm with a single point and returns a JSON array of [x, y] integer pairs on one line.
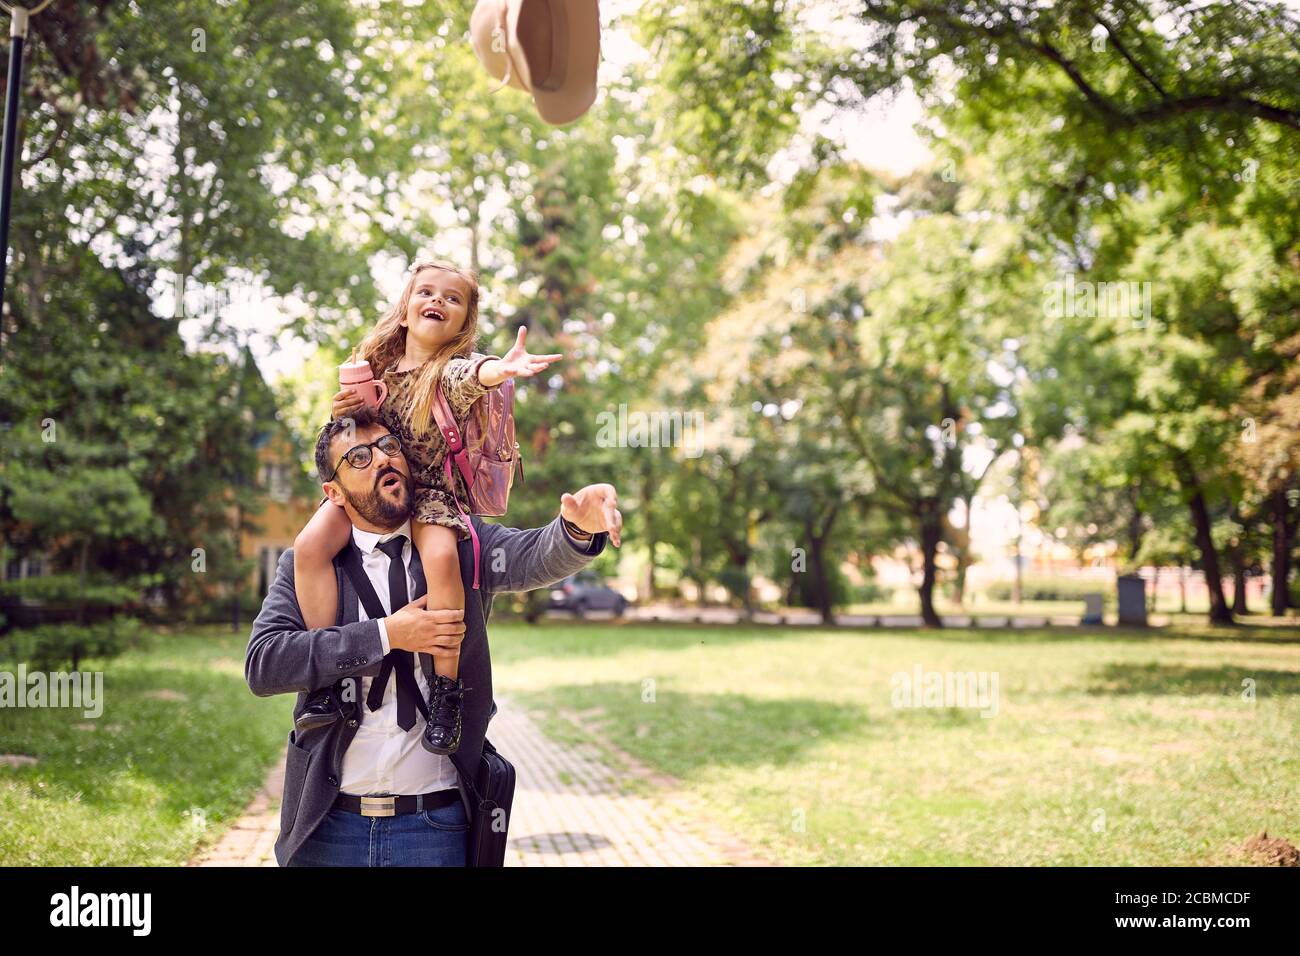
[[515, 560]]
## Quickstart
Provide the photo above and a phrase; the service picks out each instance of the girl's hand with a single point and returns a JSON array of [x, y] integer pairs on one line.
[[518, 362], [345, 403]]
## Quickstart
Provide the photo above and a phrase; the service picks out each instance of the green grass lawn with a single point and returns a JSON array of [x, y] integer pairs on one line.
[[1107, 747], [979, 608], [907, 603], [1111, 747], [134, 786]]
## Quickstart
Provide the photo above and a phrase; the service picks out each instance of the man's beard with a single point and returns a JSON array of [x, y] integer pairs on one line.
[[378, 509]]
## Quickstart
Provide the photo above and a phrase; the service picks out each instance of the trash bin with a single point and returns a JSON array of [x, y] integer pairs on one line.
[[1092, 608], [1132, 600]]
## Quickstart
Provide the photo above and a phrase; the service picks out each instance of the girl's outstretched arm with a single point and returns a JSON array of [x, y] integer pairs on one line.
[[313, 564], [465, 380], [517, 362]]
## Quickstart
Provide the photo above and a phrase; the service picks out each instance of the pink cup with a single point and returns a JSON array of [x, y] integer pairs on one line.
[[357, 377]]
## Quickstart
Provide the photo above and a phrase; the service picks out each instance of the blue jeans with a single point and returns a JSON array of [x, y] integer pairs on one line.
[[428, 838]]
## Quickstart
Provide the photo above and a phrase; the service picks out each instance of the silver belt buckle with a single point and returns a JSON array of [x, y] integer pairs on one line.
[[378, 806]]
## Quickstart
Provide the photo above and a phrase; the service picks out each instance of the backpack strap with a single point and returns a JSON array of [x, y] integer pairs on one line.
[[446, 422], [457, 453], [473, 535], [451, 434]]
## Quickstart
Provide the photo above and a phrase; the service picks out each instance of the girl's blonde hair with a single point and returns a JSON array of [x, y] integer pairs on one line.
[[385, 346]]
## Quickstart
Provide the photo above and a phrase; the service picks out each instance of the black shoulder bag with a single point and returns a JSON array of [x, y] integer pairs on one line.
[[493, 789], [493, 793]]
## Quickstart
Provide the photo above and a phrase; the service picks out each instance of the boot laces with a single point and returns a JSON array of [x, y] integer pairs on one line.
[[446, 703]]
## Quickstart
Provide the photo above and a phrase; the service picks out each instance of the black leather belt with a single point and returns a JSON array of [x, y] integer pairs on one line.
[[391, 805]]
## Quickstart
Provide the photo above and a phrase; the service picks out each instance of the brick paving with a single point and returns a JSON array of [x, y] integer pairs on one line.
[[251, 840], [569, 810]]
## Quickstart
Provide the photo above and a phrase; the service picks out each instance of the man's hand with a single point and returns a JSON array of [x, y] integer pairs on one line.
[[594, 509], [438, 632]]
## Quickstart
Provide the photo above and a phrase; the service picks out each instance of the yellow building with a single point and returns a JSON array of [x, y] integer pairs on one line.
[[287, 501]]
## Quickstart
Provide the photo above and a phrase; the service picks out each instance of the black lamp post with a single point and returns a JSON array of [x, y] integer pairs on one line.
[[18, 34]]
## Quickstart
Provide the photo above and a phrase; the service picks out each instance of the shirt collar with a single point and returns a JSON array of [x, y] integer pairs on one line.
[[368, 541]]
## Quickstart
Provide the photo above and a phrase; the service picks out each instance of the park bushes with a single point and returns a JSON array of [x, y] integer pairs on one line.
[[58, 619], [50, 646]]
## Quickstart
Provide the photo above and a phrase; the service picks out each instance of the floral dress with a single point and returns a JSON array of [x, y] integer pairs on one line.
[[433, 502]]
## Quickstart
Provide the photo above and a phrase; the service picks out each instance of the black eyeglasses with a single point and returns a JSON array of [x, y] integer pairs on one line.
[[360, 456]]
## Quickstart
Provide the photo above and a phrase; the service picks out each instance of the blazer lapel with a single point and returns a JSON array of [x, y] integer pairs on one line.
[[349, 613]]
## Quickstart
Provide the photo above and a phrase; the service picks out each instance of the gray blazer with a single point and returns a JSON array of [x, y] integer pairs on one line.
[[284, 657]]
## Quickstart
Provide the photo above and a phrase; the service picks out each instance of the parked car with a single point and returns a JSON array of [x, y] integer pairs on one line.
[[585, 591]]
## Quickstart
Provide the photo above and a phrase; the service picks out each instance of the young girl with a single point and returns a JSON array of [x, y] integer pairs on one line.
[[426, 339]]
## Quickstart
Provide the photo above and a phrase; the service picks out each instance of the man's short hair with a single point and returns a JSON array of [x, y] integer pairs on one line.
[[361, 418]]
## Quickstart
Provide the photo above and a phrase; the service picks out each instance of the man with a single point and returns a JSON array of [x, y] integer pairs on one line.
[[330, 815]]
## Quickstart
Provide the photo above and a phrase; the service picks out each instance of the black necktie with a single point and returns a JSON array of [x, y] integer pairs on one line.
[[403, 662]]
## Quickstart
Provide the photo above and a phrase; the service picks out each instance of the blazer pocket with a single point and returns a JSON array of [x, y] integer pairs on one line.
[[297, 760]]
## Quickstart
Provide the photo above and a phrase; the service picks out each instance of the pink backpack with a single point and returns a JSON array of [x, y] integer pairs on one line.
[[486, 456]]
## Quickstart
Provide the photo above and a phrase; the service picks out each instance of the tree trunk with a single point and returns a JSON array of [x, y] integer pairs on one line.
[[821, 587], [1239, 590], [1182, 589], [821, 596], [1134, 528], [31, 264], [696, 573], [1283, 530], [817, 537], [931, 532], [1219, 612], [83, 566], [738, 558], [749, 593]]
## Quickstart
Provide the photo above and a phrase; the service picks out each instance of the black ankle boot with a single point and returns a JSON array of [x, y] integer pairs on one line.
[[320, 708], [442, 732]]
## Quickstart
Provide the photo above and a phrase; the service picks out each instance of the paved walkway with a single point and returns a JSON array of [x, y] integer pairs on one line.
[[251, 841], [568, 811]]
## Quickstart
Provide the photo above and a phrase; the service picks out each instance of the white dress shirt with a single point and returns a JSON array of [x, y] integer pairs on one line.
[[383, 758]]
